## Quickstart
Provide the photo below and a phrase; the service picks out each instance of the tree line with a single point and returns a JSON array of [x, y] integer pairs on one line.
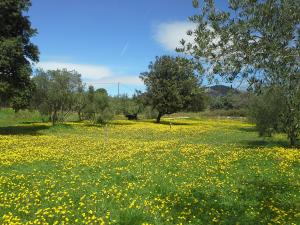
[[171, 87]]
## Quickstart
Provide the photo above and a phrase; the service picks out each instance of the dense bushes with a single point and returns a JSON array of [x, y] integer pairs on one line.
[[232, 100], [266, 110]]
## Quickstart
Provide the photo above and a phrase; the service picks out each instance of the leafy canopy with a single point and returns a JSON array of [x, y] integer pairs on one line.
[[56, 91], [16, 53], [170, 84], [253, 40]]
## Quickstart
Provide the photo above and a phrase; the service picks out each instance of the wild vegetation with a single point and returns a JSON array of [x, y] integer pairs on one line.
[[207, 171]]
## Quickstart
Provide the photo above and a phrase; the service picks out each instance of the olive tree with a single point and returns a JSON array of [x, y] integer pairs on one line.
[[56, 92], [253, 40], [98, 107]]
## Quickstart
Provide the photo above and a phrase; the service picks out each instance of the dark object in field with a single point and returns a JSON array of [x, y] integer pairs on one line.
[[131, 116]]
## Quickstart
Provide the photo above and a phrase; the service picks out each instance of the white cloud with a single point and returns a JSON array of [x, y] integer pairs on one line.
[[88, 72], [170, 34], [93, 74], [122, 79]]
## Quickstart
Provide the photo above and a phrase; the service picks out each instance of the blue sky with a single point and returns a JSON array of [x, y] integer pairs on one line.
[[108, 41]]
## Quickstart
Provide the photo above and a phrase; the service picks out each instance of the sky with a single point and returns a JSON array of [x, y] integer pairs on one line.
[[108, 41]]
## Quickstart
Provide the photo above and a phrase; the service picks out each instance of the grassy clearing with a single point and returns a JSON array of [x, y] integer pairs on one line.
[[199, 171]]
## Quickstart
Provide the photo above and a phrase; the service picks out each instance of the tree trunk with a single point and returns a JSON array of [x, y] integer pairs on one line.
[[293, 139], [292, 123], [54, 117], [292, 130], [158, 117], [79, 115]]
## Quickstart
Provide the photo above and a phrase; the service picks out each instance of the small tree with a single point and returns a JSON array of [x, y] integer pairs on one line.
[[170, 84], [101, 106], [63, 85], [98, 107], [56, 92]]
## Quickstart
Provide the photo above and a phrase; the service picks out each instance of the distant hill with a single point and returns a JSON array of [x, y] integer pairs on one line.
[[220, 90]]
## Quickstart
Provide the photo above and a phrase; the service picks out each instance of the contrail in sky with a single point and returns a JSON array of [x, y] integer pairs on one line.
[[124, 49]]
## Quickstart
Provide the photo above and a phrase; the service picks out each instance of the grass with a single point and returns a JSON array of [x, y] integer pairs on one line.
[[198, 171]]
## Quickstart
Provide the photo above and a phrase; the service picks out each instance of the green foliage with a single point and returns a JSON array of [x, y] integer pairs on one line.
[[266, 111], [170, 84], [229, 101], [8, 117], [97, 108], [17, 53], [254, 40], [198, 101], [220, 102], [150, 113], [89, 111], [104, 116], [101, 101], [102, 108], [56, 92], [80, 101], [125, 105]]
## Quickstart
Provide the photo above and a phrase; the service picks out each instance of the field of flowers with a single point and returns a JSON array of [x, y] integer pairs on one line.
[[200, 171]]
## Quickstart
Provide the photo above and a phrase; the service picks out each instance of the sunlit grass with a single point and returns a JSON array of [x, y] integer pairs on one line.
[[195, 171]]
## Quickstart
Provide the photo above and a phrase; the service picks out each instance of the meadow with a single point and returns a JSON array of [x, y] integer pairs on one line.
[[194, 171]]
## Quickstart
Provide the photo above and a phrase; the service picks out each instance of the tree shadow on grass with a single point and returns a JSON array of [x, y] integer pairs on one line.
[[23, 130], [167, 122], [264, 143], [247, 129], [125, 123], [132, 122], [30, 122], [107, 125], [163, 122]]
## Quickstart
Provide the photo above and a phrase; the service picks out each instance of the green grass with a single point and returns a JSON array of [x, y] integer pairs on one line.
[[8, 117], [198, 171]]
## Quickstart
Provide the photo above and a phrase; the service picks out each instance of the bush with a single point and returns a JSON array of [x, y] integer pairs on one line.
[[220, 102], [230, 101], [105, 116], [265, 111]]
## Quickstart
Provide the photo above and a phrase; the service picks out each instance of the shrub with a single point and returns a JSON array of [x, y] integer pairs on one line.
[[265, 111], [105, 116]]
